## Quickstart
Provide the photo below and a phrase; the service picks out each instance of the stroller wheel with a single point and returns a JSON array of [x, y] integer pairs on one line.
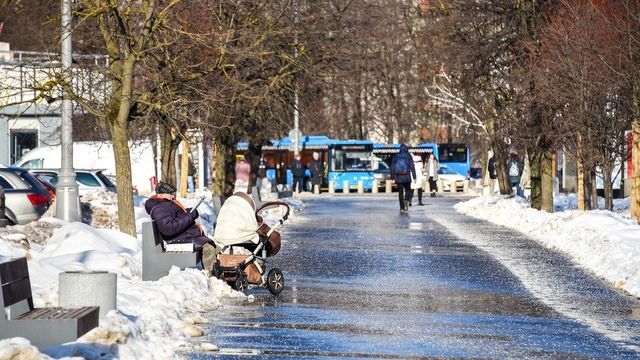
[[241, 282], [275, 281]]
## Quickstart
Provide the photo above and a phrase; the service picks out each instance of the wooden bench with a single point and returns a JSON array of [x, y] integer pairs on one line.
[[44, 326], [156, 259]]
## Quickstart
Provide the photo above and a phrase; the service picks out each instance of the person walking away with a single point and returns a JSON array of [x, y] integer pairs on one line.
[[493, 175], [402, 172], [431, 169], [178, 225], [514, 167], [317, 171], [418, 182], [297, 170]]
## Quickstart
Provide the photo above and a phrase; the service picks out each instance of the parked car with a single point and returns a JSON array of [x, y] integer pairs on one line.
[[449, 176], [87, 180], [51, 189], [134, 188], [475, 173], [26, 199]]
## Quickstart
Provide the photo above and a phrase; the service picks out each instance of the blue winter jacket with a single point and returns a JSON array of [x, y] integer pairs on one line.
[[175, 224], [406, 178]]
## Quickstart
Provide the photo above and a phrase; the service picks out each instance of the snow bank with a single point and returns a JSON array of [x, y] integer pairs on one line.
[[602, 241]]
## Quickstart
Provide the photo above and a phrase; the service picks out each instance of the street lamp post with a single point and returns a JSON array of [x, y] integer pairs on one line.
[[67, 200]]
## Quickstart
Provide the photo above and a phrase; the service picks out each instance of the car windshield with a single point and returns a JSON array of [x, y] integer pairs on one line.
[[107, 182], [87, 179]]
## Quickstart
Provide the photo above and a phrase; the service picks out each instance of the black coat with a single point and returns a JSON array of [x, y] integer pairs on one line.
[[317, 172], [297, 169]]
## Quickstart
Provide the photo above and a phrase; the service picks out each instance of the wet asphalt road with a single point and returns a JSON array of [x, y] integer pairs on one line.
[[363, 281]]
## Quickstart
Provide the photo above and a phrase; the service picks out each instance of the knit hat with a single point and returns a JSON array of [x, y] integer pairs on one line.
[[165, 188]]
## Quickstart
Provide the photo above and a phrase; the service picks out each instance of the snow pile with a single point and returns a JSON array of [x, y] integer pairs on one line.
[[154, 319], [602, 241]]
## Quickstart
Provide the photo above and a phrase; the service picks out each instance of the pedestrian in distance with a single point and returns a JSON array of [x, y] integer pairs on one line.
[[178, 225], [297, 170], [514, 166], [403, 171], [281, 177], [493, 174], [262, 167], [431, 169], [418, 182], [317, 171]]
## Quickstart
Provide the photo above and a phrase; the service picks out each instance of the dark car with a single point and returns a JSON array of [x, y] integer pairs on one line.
[[26, 199], [51, 189], [475, 173]]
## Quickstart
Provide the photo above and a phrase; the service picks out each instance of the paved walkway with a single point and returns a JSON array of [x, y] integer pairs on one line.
[[363, 281]]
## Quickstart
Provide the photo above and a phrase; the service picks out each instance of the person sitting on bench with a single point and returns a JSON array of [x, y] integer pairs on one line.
[[178, 225]]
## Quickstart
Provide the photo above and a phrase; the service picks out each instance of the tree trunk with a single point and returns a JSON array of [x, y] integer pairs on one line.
[[226, 168], [608, 187], [500, 158], [217, 185], [635, 164], [184, 169], [253, 157], [120, 136], [594, 190], [580, 176], [546, 183], [541, 165], [536, 178], [168, 148]]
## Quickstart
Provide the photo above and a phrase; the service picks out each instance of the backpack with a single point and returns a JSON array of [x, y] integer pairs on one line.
[[513, 169], [402, 166]]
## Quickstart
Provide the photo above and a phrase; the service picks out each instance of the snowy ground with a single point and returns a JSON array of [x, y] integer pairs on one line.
[[154, 319], [604, 242]]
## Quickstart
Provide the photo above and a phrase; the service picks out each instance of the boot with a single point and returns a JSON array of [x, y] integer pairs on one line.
[[433, 194], [420, 202]]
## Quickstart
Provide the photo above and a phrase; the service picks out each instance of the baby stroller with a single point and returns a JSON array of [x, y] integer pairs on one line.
[[239, 225]]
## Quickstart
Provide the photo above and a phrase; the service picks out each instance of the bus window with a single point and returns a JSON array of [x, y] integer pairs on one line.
[[452, 153]]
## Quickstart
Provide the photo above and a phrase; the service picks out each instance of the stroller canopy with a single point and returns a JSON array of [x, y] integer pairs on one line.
[[237, 223]]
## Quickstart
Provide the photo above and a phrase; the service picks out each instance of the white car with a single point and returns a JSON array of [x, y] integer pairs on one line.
[[448, 177], [87, 180]]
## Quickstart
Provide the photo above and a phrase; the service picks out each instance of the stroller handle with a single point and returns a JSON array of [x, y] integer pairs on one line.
[[274, 203]]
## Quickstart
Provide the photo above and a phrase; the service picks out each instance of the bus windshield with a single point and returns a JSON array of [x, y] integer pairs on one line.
[[452, 153], [350, 160]]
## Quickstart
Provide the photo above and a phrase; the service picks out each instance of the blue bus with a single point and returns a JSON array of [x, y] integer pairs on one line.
[[455, 157], [354, 161], [452, 156], [387, 152], [344, 160]]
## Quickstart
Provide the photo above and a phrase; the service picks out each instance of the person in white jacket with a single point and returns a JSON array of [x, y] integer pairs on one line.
[[431, 172], [418, 182]]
